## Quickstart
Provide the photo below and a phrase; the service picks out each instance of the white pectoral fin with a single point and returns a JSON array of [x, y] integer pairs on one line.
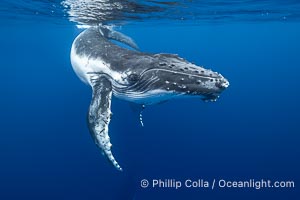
[[99, 116]]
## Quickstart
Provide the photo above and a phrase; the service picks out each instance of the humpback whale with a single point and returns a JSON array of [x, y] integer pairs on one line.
[[134, 76]]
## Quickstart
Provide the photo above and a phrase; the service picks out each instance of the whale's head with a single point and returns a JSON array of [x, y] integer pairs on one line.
[[165, 76]]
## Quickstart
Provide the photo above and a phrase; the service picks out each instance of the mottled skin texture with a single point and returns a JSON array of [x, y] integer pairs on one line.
[[142, 78], [94, 45]]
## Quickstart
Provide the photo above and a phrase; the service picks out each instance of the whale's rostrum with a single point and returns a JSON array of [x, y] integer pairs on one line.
[[134, 76]]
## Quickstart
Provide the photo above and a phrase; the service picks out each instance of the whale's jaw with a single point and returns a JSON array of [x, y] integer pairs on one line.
[[169, 76]]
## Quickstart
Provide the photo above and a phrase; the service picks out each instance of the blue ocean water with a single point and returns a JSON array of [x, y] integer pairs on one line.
[[251, 132]]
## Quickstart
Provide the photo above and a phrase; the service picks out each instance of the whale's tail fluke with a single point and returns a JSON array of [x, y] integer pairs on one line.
[[108, 32]]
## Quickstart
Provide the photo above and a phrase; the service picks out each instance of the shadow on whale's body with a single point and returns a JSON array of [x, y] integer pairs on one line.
[[134, 76]]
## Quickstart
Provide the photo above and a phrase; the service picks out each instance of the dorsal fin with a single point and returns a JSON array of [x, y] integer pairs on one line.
[[109, 33]]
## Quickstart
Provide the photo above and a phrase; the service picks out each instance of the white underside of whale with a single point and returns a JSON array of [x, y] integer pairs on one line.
[[85, 66]]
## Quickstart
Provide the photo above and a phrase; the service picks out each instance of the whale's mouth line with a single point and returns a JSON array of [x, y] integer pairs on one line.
[[141, 86], [178, 73]]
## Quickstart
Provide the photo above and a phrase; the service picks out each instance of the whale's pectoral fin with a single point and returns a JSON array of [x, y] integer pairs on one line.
[[99, 116]]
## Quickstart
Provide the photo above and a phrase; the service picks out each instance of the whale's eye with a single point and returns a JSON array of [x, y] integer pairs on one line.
[[133, 77]]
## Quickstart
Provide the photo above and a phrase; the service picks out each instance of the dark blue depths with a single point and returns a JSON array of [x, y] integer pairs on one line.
[[251, 132]]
